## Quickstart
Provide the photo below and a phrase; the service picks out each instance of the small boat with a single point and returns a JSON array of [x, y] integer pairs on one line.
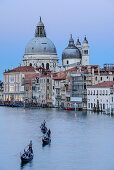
[[46, 140], [28, 154], [44, 129], [26, 159], [69, 108]]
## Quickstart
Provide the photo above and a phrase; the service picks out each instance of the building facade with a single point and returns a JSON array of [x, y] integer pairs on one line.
[[100, 97], [13, 83]]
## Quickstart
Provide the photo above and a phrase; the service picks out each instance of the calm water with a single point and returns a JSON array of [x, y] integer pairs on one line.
[[82, 141]]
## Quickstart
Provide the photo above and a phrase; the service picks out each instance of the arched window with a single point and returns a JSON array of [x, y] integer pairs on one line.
[[67, 62], [30, 64], [47, 66], [43, 65]]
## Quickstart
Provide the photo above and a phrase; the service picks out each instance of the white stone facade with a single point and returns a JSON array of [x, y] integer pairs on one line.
[[41, 61], [100, 98]]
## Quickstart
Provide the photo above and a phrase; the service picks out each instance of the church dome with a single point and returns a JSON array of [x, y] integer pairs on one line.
[[71, 51], [40, 44]]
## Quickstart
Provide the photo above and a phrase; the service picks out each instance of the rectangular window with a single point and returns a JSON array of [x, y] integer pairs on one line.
[[11, 88], [85, 51], [103, 106], [89, 105], [97, 92], [94, 92], [11, 78], [47, 80], [100, 92], [106, 92]]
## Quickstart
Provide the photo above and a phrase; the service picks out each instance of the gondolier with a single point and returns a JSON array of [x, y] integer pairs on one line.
[[30, 146]]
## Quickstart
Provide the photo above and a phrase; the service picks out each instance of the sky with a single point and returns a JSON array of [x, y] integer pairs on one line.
[[93, 18]]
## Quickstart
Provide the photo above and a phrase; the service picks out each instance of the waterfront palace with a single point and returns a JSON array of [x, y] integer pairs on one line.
[[40, 79]]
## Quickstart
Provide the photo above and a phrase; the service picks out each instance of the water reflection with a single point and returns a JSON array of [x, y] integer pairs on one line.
[[27, 164]]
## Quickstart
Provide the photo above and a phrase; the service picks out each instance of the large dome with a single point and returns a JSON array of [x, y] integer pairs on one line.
[[71, 51], [40, 45]]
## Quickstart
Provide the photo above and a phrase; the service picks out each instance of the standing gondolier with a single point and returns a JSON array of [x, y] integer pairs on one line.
[[30, 146]]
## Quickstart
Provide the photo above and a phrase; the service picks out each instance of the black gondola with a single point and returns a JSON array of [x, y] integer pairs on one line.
[[26, 159], [46, 140], [28, 153], [44, 129]]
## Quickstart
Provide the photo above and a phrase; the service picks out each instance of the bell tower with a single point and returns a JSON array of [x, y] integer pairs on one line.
[[85, 52]]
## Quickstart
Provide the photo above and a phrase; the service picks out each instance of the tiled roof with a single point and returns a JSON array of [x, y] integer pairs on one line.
[[22, 69], [31, 76], [73, 69], [47, 75], [103, 84], [60, 77]]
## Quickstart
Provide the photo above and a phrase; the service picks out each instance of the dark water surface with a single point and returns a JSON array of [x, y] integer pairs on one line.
[[82, 141]]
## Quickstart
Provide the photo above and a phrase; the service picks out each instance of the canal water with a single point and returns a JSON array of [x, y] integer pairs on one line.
[[80, 141]]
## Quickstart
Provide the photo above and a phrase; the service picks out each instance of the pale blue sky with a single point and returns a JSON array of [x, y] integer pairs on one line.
[[94, 18]]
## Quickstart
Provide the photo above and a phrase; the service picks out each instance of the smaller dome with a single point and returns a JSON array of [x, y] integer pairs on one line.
[[71, 51]]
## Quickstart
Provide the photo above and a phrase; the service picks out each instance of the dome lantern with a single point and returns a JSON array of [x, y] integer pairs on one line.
[[40, 29], [78, 42], [71, 42]]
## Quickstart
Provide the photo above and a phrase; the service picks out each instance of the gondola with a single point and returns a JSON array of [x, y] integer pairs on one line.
[[44, 129], [28, 154], [26, 159], [46, 140]]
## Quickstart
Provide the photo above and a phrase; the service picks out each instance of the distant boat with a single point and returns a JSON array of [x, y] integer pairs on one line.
[[43, 128], [69, 108], [46, 140]]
